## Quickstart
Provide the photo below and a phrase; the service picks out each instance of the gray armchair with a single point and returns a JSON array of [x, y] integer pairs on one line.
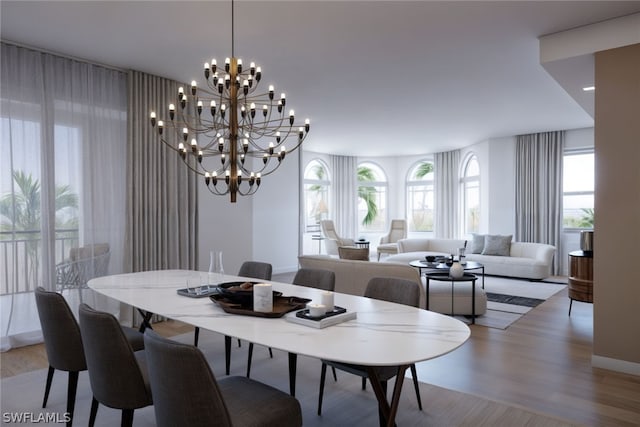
[[333, 241]]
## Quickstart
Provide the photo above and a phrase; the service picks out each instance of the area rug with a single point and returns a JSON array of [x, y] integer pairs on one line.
[[510, 299], [345, 404]]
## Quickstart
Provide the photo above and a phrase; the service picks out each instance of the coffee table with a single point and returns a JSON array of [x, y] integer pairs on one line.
[[442, 267]]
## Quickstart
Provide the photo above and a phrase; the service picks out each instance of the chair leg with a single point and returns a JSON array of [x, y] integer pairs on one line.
[[196, 335], [364, 383], [414, 374], [239, 343], [71, 395], [47, 387], [94, 412], [570, 304], [323, 375], [249, 358], [227, 353], [127, 418], [270, 353], [335, 376]]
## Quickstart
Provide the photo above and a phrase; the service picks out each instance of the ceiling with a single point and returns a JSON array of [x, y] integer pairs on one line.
[[375, 78]]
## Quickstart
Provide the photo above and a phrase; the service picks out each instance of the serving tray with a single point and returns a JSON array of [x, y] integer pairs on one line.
[[281, 306]]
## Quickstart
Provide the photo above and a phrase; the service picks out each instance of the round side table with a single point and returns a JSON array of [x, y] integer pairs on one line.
[[444, 277], [580, 277]]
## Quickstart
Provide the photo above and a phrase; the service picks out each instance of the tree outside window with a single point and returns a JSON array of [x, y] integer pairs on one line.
[[372, 198], [420, 198], [316, 194]]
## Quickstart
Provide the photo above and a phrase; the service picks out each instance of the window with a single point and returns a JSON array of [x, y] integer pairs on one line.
[[316, 194], [578, 185], [420, 197], [372, 198], [470, 185]]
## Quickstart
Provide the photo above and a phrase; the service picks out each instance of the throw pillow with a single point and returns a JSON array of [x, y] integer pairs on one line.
[[497, 245], [477, 244]]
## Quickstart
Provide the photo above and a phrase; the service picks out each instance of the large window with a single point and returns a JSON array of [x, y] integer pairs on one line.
[[316, 194], [470, 185], [420, 197], [372, 198], [578, 184]]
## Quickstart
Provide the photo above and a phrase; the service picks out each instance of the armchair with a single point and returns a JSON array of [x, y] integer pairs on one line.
[[333, 240], [83, 264], [389, 242]]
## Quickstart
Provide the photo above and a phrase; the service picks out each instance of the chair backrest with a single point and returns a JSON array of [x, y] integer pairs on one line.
[[315, 278], [189, 395], [329, 229], [114, 373], [396, 290], [348, 252], [398, 230], [90, 261], [61, 332], [256, 270]]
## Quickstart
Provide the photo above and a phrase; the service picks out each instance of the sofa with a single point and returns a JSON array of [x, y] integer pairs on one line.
[[524, 260], [352, 277]]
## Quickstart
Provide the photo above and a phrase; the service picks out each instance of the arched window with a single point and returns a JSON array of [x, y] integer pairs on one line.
[[372, 198], [316, 194], [420, 207], [470, 186]]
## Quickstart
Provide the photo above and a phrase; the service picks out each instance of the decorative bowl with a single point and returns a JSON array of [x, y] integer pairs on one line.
[[430, 258]]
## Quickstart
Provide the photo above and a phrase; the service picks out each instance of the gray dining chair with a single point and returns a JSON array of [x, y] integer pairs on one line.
[[400, 291], [192, 396], [117, 374], [311, 278], [63, 343]]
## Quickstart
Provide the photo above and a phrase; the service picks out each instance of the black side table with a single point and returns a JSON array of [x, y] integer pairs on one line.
[[444, 277], [361, 243]]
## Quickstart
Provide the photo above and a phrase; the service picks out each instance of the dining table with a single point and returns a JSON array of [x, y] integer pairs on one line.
[[382, 334]]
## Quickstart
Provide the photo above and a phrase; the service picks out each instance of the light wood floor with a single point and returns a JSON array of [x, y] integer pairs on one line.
[[541, 363]]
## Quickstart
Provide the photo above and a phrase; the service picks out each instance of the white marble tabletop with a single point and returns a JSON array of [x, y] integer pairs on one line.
[[383, 334]]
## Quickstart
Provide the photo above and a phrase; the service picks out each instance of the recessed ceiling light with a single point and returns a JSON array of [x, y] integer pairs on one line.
[[589, 88]]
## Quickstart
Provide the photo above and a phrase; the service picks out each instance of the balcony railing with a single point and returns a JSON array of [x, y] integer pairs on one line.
[[21, 255]]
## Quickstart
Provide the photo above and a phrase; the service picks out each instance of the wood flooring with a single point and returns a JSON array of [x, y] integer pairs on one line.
[[541, 363]]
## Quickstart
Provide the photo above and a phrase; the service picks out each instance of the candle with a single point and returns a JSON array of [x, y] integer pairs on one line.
[[316, 310], [263, 297], [327, 300]]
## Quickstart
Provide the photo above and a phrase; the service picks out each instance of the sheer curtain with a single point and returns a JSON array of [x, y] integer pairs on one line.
[[344, 209], [446, 182], [61, 178], [539, 188]]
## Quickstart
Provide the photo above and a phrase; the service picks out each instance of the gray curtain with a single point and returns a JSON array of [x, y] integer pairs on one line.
[[446, 183], [539, 188], [344, 209], [162, 197]]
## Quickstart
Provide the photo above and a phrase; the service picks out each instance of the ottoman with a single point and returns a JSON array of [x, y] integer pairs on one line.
[[440, 297]]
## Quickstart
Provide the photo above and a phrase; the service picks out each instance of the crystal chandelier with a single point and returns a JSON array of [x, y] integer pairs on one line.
[[225, 131]]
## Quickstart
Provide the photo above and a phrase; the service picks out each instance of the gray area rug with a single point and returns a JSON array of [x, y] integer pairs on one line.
[[345, 404]]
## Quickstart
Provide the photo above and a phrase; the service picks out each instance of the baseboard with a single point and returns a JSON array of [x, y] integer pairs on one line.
[[615, 365]]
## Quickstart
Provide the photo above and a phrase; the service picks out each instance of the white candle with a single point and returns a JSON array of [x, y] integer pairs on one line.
[[263, 297], [327, 300], [316, 310]]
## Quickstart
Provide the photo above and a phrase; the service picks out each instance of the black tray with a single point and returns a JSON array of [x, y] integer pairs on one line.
[[281, 306], [304, 314]]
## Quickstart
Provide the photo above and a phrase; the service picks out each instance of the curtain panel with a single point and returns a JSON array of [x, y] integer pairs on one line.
[[61, 182], [344, 209], [539, 189], [162, 196], [446, 183]]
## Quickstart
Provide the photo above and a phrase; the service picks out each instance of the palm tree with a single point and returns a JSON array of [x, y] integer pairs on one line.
[[20, 211], [587, 219], [367, 194]]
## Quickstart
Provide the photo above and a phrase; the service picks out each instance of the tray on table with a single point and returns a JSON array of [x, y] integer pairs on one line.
[[281, 306]]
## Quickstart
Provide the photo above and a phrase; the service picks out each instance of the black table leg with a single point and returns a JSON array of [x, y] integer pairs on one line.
[[227, 353], [293, 363], [473, 301], [146, 317], [427, 296]]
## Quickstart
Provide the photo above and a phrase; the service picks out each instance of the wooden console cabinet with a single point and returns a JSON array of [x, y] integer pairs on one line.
[[580, 277]]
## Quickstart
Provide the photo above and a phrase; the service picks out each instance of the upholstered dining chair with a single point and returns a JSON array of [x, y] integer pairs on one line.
[[192, 396], [63, 342], [389, 242], [390, 289], [117, 374], [333, 240], [310, 278]]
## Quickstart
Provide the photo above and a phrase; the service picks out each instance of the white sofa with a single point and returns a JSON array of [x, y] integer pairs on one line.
[[527, 260]]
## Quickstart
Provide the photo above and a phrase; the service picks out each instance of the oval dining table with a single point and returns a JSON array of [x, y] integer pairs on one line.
[[382, 334]]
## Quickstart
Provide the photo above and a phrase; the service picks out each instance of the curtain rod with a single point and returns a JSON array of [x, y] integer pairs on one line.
[[63, 55]]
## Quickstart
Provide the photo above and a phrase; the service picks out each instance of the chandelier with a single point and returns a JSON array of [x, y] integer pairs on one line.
[[231, 133]]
